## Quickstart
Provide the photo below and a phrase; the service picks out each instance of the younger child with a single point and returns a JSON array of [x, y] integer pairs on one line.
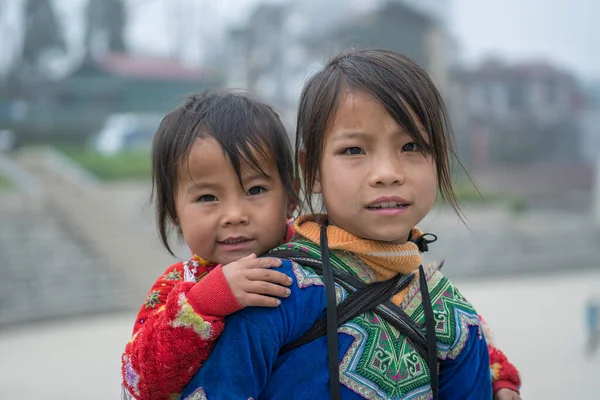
[[222, 177], [180, 320]]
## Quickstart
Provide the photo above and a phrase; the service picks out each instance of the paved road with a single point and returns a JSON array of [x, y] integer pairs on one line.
[[538, 322]]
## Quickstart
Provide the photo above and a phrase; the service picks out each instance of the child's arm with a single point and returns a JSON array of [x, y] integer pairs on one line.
[[240, 365], [153, 363], [505, 376], [467, 376], [171, 342]]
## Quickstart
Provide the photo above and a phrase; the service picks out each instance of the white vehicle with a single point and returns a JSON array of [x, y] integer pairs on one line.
[[127, 131]]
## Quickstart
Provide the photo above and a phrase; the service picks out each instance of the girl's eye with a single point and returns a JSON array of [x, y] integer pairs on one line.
[[206, 198], [410, 147], [352, 151], [256, 190]]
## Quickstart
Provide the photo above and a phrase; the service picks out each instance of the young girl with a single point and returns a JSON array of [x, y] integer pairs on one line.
[[170, 344]]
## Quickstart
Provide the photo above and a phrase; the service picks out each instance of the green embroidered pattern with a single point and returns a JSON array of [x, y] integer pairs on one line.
[[188, 318], [152, 299], [381, 363], [173, 276], [450, 308]]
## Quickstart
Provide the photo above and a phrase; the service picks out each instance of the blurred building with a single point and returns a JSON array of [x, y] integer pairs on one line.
[[74, 107], [591, 124], [521, 130], [280, 45], [517, 114]]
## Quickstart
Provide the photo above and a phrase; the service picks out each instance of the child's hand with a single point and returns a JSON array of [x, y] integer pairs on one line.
[[507, 394], [254, 284]]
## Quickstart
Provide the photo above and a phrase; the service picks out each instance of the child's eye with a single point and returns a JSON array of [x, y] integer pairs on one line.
[[352, 151], [206, 198], [256, 190], [410, 147]]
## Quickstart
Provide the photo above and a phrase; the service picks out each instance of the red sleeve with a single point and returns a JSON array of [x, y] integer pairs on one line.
[[504, 374], [174, 331], [158, 294], [163, 356], [213, 296]]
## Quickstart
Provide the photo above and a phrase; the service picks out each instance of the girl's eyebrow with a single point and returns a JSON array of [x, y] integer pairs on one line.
[[350, 135], [203, 185], [338, 137], [256, 175]]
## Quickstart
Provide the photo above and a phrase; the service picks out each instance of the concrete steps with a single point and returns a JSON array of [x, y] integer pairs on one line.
[[65, 248]]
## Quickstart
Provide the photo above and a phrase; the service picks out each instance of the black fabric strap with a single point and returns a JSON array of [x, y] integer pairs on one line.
[[430, 329], [365, 297], [332, 335], [386, 310]]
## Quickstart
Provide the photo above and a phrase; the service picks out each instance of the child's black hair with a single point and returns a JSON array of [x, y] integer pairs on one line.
[[240, 123]]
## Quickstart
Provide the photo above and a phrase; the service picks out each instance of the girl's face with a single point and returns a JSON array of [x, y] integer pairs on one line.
[[222, 221], [375, 182]]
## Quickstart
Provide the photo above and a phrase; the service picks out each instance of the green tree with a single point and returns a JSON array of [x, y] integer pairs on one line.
[[43, 35], [106, 19]]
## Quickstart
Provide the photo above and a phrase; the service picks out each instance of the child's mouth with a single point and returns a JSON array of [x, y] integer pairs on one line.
[[389, 205], [235, 240], [388, 208], [234, 243]]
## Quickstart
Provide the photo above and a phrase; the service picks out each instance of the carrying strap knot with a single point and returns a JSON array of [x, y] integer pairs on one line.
[[424, 240]]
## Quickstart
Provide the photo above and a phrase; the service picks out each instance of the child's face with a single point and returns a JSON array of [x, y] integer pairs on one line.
[[222, 221], [374, 181]]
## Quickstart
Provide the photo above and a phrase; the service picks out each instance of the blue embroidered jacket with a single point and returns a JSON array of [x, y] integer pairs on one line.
[[376, 361]]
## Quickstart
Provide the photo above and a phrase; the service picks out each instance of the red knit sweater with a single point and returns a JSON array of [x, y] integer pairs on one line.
[[179, 322]]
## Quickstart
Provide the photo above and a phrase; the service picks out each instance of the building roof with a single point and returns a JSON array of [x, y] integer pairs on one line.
[[494, 69], [145, 67]]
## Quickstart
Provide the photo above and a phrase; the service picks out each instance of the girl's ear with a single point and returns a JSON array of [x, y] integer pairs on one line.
[[292, 206], [317, 189]]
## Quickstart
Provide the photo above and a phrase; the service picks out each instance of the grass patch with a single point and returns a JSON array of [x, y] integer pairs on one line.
[[127, 165], [5, 183]]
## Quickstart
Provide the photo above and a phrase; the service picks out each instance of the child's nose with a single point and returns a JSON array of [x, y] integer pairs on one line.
[[387, 171], [235, 215]]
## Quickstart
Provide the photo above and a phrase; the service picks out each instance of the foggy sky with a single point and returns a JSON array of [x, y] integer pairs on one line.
[[566, 32]]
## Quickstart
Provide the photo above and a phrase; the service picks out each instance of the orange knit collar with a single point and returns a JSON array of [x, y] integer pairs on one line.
[[386, 260]]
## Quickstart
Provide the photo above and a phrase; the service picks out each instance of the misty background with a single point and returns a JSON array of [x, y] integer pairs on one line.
[[85, 83]]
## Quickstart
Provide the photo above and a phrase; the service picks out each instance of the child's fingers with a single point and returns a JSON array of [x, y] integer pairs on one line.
[[264, 262], [268, 275], [266, 288], [257, 300], [249, 257]]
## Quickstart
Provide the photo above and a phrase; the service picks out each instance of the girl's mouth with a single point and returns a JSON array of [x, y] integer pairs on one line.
[[235, 243], [387, 205]]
